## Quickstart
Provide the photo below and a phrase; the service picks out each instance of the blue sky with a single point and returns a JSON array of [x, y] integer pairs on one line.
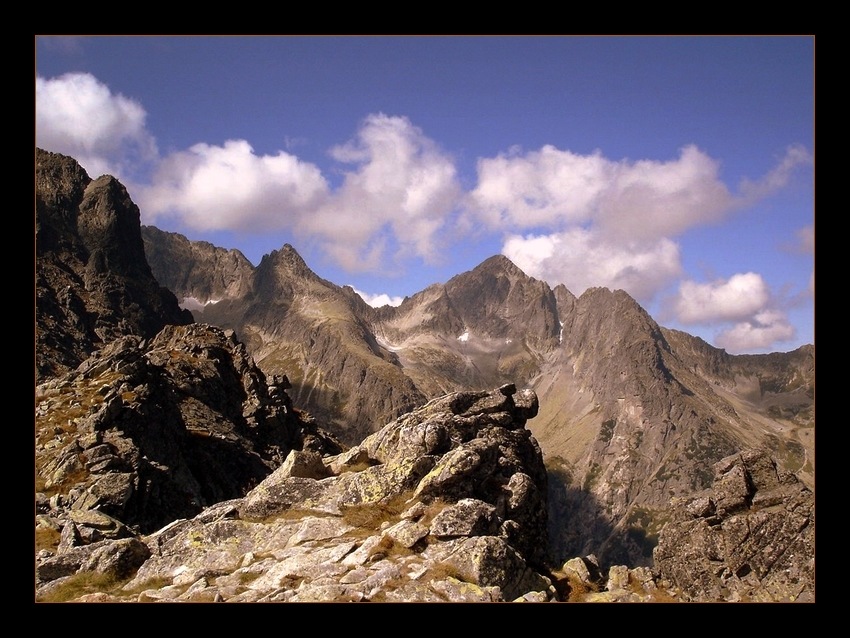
[[680, 169]]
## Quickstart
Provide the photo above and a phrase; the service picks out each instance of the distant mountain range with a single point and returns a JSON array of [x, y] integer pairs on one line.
[[631, 413], [631, 417]]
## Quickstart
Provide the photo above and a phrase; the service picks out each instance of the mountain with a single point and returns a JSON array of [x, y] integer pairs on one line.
[[92, 279], [643, 450], [631, 413], [294, 323]]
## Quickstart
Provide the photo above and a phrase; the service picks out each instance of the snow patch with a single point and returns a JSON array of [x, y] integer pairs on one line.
[[508, 341], [464, 337], [387, 345], [561, 334], [191, 303]]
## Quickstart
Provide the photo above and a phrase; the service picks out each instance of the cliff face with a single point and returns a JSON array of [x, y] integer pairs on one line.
[[93, 282], [204, 273]]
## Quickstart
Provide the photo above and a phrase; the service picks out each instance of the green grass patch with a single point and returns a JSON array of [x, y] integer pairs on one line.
[[80, 584]]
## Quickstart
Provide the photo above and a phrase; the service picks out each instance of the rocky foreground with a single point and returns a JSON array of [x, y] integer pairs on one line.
[[445, 504]]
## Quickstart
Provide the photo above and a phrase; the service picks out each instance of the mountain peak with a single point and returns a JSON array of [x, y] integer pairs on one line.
[[499, 263], [287, 258]]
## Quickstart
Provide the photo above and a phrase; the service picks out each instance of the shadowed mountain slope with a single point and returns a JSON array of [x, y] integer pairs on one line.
[[92, 280], [631, 413]]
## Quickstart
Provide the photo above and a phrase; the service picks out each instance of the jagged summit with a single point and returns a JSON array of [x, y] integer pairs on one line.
[[93, 282], [287, 257], [630, 414], [500, 263]]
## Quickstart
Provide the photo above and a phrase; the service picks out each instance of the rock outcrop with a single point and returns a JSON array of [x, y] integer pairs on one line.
[[93, 283], [750, 537], [447, 503], [148, 431]]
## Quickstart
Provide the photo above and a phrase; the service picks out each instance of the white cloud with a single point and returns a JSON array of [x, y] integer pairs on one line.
[[599, 222], [581, 259], [743, 303], [759, 333], [77, 115], [376, 301], [740, 296], [642, 200], [230, 187], [394, 200], [795, 155], [401, 191], [543, 188], [398, 194], [580, 220]]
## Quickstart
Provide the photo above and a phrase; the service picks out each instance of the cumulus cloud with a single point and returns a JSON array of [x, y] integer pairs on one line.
[[580, 220], [759, 333], [740, 296], [376, 301], [400, 182], [542, 188], [593, 221], [397, 195], [581, 259], [641, 200], [743, 303], [398, 187], [77, 115], [230, 187]]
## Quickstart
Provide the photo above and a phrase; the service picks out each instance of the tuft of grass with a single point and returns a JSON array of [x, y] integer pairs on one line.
[[46, 538], [80, 584], [371, 515]]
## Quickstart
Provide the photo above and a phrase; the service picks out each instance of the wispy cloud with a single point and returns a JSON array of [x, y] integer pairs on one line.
[[795, 155], [67, 44], [806, 240]]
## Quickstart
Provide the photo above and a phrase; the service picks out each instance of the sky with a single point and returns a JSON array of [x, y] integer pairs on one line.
[[679, 169]]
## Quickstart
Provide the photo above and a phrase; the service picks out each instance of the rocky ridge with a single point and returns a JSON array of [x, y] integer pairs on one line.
[[631, 413], [148, 431], [92, 279], [447, 503], [141, 425]]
